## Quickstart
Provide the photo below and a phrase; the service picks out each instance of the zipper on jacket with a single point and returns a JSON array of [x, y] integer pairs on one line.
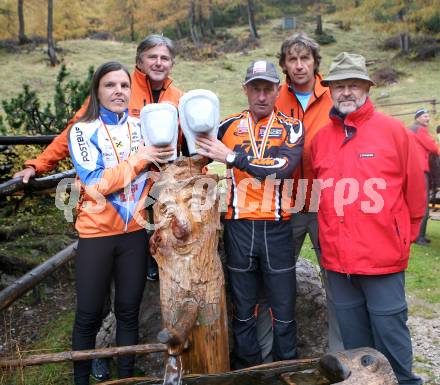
[[128, 210]]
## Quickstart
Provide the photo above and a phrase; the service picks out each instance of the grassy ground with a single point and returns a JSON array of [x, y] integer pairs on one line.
[[419, 80], [223, 76], [55, 335]]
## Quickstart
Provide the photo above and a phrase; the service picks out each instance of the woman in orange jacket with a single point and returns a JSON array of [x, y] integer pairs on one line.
[[111, 161]]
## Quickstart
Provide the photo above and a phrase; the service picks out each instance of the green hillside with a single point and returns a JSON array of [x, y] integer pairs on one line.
[[223, 75], [418, 80]]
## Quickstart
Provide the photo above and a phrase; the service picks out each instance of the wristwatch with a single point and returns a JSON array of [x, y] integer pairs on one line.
[[230, 159]]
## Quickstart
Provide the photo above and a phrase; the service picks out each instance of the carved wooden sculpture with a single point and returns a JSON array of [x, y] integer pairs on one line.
[[184, 245], [358, 366]]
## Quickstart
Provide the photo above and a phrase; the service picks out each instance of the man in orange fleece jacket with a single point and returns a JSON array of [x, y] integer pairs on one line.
[[303, 97], [150, 84]]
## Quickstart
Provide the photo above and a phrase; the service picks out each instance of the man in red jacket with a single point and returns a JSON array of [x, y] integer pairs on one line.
[[426, 145], [370, 210]]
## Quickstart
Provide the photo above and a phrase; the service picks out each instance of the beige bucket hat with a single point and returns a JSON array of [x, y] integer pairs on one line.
[[347, 66]]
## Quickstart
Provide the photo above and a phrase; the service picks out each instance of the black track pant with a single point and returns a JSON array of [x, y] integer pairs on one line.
[[261, 251], [98, 261]]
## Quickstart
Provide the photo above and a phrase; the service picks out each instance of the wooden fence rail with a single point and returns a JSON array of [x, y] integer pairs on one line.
[[432, 102], [81, 355], [36, 275], [35, 184], [38, 139]]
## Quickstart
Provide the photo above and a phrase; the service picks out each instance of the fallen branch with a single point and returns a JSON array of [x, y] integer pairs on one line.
[[82, 355], [14, 265], [35, 276], [34, 184], [8, 234]]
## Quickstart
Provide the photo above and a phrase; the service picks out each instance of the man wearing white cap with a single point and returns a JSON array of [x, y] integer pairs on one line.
[[261, 148], [370, 210]]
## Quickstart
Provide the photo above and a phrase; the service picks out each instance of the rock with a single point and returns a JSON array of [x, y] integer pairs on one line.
[[311, 314], [311, 310], [357, 366]]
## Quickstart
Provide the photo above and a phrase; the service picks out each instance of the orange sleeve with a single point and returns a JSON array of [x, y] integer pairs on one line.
[[57, 150], [113, 179]]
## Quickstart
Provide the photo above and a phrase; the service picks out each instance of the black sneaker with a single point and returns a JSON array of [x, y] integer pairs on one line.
[[422, 242], [100, 369], [153, 271]]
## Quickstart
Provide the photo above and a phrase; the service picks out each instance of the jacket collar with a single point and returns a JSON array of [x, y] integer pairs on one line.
[[415, 127], [356, 118], [262, 120], [112, 118], [318, 89], [144, 81]]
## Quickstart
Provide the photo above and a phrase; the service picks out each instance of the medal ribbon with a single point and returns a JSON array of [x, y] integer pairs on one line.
[[111, 140], [259, 153]]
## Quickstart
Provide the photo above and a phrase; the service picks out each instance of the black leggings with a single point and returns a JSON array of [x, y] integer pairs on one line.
[[99, 260]]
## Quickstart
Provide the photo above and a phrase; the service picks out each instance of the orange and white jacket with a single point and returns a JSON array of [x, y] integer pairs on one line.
[[141, 94], [257, 188], [113, 176]]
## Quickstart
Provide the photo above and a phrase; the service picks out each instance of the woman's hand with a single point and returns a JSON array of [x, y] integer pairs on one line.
[[26, 174], [155, 153]]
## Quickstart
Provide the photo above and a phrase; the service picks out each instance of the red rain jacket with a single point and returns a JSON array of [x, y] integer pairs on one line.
[[425, 144], [374, 202]]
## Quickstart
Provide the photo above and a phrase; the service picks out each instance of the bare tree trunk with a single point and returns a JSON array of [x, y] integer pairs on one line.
[[251, 19], [201, 21], [318, 30], [50, 43], [211, 18], [192, 24], [22, 38], [404, 43], [132, 37], [179, 32]]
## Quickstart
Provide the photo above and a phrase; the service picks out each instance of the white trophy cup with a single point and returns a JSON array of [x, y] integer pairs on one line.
[[159, 126], [199, 113]]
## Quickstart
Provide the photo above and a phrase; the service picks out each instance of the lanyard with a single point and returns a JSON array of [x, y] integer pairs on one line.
[[259, 153], [111, 140]]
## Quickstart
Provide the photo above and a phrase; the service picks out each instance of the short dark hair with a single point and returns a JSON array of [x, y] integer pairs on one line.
[[301, 40], [154, 40], [92, 111], [438, 129]]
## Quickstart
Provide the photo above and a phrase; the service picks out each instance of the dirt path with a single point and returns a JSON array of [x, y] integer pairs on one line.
[[425, 332]]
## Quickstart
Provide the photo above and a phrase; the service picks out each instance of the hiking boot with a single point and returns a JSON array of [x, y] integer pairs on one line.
[[153, 271], [422, 242], [100, 369]]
